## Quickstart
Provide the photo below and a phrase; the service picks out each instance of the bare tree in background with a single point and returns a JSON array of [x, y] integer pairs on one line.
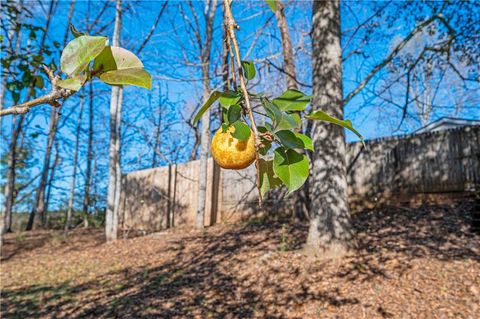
[[71, 199], [37, 214], [41, 205], [287, 49], [205, 47], [111, 221], [416, 79], [302, 200]]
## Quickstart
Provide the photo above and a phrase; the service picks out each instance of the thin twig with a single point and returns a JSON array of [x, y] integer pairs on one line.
[[51, 98], [232, 60], [231, 26]]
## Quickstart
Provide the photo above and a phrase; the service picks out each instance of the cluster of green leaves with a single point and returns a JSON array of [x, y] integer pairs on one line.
[[231, 103], [283, 159], [21, 62], [112, 65]]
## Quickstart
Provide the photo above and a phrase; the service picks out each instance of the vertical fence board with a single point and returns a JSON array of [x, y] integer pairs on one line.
[[432, 162]]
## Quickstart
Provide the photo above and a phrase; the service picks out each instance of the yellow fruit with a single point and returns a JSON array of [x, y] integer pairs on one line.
[[232, 153]]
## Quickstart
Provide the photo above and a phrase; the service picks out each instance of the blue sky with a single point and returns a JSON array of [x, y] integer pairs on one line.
[[175, 79]]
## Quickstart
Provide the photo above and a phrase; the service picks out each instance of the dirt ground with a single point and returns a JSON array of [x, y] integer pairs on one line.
[[410, 263]]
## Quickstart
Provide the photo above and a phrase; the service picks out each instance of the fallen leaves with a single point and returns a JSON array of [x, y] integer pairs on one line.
[[410, 263]]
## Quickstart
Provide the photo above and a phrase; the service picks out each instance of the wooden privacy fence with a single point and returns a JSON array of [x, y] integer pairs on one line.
[[434, 162]]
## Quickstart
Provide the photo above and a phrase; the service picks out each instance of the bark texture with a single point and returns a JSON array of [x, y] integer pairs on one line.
[[118, 152], [113, 165], [11, 163], [71, 199], [205, 135], [287, 50], [330, 233], [158, 133], [302, 202], [38, 212]]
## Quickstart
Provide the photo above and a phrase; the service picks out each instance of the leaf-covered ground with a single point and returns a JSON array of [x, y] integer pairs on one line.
[[410, 263]]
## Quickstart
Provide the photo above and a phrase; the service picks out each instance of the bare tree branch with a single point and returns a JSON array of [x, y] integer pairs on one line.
[[390, 57], [152, 30], [52, 98]]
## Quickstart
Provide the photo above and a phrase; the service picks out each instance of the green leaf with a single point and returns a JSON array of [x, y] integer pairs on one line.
[[39, 83], [272, 4], [234, 113], [248, 69], [269, 127], [268, 179], [73, 84], [115, 58], [225, 115], [79, 52], [228, 98], [225, 127], [242, 131], [262, 129], [292, 100], [281, 120], [307, 141], [291, 167], [133, 76], [213, 97], [256, 95], [289, 121], [75, 32], [273, 112], [266, 147], [15, 97], [288, 139], [320, 115]]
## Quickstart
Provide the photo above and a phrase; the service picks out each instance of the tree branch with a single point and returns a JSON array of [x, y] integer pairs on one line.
[[231, 26], [390, 57], [52, 98], [152, 30]]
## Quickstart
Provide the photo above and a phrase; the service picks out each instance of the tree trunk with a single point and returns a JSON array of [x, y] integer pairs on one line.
[[202, 177], [110, 218], [71, 199], [196, 144], [118, 151], [302, 200], [88, 173], [287, 50], [159, 129], [11, 165], [330, 233], [38, 210], [37, 215], [17, 35], [205, 136], [51, 179]]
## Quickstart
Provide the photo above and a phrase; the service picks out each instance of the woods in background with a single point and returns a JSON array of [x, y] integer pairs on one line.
[[350, 56]]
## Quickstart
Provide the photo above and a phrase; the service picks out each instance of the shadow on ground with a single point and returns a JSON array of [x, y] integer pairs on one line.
[[257, 270]]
